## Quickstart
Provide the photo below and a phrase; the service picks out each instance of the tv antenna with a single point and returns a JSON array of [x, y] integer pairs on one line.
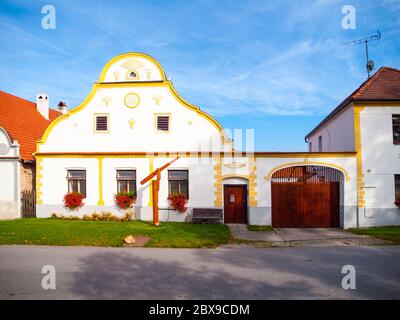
[[370, 63]]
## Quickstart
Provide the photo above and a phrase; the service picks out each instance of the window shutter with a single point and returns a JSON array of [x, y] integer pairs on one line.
[[101, 123], [163, 123]]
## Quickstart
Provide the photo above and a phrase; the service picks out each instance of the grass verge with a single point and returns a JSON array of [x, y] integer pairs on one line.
[[110, 233], [252, 227], [386, 233]]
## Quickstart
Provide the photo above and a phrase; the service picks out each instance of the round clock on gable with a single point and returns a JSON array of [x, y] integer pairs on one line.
[[132, 100]]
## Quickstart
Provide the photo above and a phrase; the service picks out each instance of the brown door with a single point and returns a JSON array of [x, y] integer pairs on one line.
[[305, 205], [235, 203]]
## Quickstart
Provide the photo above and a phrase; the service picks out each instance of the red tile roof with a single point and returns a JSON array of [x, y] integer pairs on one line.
[[384, 85], [23, 122]]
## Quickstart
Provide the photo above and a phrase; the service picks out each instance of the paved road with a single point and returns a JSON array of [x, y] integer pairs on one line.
[[224, 273]]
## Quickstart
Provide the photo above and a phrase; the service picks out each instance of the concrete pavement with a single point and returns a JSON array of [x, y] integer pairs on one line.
[[223, 273], [240, 231]]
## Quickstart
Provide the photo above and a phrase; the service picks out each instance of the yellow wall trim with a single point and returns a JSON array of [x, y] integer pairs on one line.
[[252, 183], [39, 183], [363, 104], [186, 154], [306, 163], [151, 169], [101, 201], [218, 182], [358, 147], [240, 176]]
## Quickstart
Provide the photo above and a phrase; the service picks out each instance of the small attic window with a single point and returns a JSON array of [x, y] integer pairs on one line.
[[162, 122], [101, 123], [132, 75]]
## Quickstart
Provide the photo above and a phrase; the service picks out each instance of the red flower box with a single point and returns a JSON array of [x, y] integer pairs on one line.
[[124, 200], [73, 201], [178, 201]]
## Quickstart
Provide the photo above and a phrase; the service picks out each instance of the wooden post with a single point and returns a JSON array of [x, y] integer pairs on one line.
[[155, 184]]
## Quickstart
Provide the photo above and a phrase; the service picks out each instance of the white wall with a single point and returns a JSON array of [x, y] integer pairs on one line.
[[9, 178], [337, 134], [380, 162]]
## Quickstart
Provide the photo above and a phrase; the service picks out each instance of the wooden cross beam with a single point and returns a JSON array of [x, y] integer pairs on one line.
[[155, 187]]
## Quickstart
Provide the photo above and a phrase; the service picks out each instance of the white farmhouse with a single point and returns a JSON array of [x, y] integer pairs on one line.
[[368, 122], [134, 121]]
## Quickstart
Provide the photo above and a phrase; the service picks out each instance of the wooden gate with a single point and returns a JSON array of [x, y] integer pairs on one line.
[[306, 197], [28, 207]]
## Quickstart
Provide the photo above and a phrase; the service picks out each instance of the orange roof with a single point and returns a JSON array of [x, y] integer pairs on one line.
[[23, 122], [384, 85]]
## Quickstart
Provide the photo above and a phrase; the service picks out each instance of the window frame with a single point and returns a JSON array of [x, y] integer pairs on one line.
[[107, 115], [397, 126], [156, 115], [78, 180], [179, 180], [126, 180], [396, 186], [319, 143]]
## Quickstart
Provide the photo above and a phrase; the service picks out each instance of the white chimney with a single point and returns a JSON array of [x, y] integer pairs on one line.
[[62, 107], [42, 104]]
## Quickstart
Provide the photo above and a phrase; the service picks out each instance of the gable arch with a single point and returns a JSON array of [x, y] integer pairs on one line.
[[132, 55], [307, 163]]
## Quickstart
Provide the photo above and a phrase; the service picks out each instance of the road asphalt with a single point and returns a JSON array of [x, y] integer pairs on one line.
[[224, 273]]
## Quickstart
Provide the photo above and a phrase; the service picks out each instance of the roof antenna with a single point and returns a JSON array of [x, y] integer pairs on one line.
[[370, 63]]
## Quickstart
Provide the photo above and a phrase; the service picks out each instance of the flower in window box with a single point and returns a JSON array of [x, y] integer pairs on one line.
[[178, 201], [124, 200], [73, 201], [397, 202]]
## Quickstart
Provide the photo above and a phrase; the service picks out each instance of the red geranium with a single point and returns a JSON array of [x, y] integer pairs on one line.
[[178, 201], [73, 201], [124, 200], [397, 203]]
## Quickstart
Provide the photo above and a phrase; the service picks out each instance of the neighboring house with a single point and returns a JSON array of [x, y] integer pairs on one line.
[[22, 123], [133, 121], [368, 122]]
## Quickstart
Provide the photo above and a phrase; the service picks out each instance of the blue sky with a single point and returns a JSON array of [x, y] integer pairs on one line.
[[277, 67]]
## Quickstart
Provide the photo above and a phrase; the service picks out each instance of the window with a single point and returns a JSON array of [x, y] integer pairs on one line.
[[310, 146], [101, 123], [320, 144], [126, 181], [178, 182], [162, 123], [396, 128], [397, 186], [77, 181]]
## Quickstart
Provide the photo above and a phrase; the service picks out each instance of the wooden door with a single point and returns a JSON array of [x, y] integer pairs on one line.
[[235, 203], [305, 205]]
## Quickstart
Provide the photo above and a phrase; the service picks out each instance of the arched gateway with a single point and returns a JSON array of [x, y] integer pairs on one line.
[[306, 196]]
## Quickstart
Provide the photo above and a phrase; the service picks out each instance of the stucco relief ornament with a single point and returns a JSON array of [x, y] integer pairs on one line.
[[132, 100], [3, 148], [131, 123], [132, 65], [235, 165], [106, 101], [157, 98]]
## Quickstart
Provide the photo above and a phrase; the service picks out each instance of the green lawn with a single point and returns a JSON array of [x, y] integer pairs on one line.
[[385, 233], [252, 227], [110, 233]]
